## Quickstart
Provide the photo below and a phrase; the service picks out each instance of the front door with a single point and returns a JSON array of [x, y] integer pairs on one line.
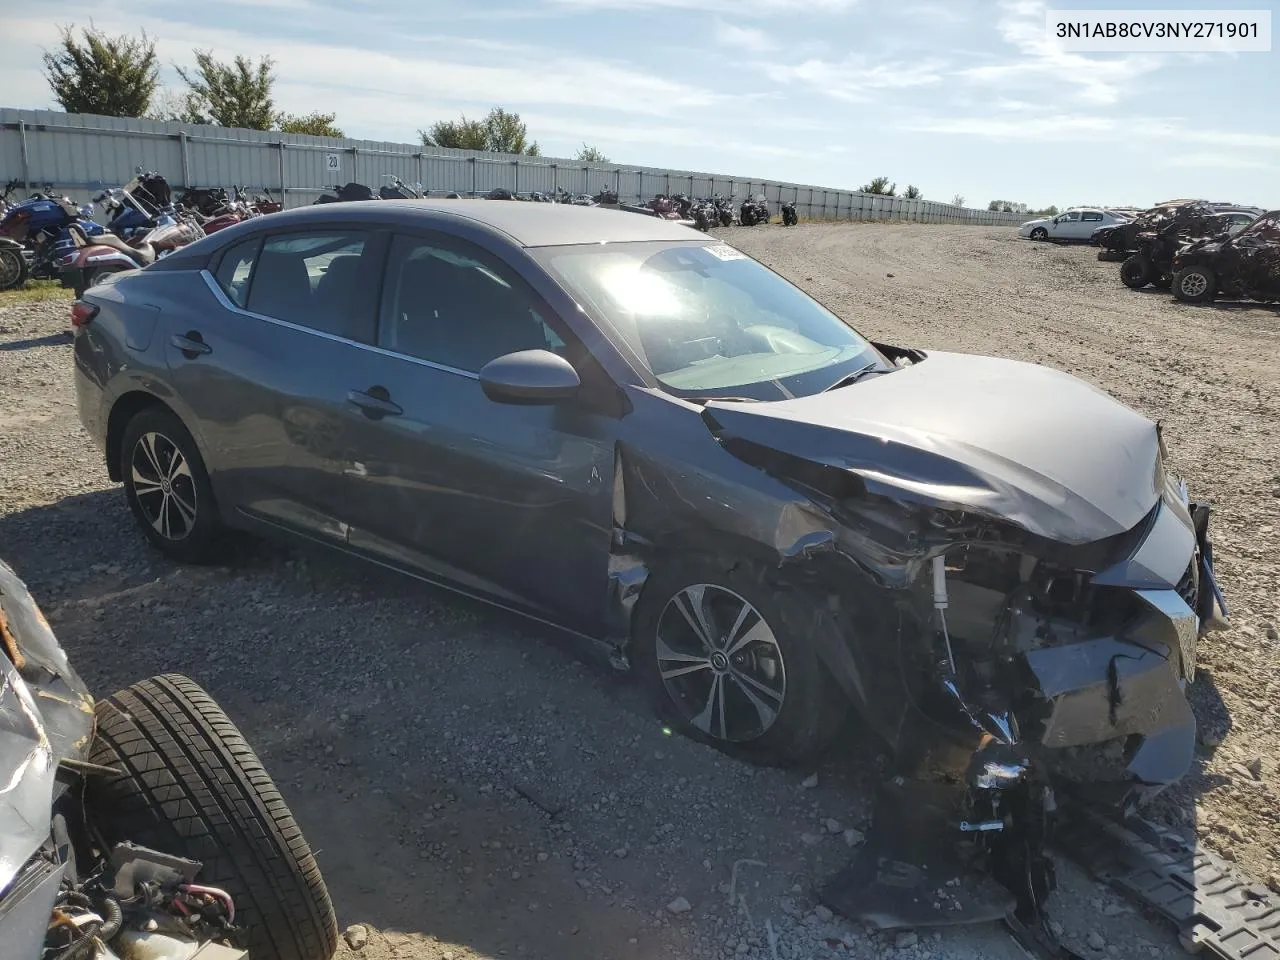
[[511, 502], [261, 365]]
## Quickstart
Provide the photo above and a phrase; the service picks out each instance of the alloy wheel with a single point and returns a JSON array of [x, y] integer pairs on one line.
[[10, 268], [163, 485], [1194, 284], [720, 663]]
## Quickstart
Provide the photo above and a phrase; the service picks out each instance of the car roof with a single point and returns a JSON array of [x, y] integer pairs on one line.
[[528, 223]]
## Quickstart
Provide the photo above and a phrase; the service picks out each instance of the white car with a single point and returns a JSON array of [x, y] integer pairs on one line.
[[1070, 226]]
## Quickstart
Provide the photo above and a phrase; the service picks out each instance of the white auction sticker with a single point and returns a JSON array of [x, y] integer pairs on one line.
[[722, 251], [1159, 31]]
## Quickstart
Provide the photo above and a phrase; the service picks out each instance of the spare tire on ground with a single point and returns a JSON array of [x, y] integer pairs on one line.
[[193, 787]]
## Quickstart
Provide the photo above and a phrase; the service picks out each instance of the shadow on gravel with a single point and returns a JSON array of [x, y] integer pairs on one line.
[[51, 340]]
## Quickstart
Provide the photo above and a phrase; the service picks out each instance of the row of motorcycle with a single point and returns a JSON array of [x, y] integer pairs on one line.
[[48, 237], [703, 213]]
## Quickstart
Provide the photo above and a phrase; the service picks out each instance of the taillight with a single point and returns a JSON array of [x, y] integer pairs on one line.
[[82, 313]]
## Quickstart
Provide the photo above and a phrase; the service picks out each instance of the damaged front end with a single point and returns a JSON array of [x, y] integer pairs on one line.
[[1047, 583]]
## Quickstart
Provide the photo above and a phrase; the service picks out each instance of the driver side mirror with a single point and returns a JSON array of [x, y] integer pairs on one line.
[[529, 377]]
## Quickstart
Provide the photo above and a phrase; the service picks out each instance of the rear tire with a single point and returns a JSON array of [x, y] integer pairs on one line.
[[1195, 284], [167, 487], [1136, 272], [811, 706], [194, 788], [13, 268]]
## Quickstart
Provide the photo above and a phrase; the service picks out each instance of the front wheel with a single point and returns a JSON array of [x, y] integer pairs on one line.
[[13, 268], [1039, 233], [1136, 272], [723, 663], [191, 786], [1195, 284]]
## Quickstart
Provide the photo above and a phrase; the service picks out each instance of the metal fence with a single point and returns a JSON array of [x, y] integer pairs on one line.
[[75, 153]]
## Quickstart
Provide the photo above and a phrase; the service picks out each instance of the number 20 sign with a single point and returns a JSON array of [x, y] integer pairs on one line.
[[332, 162]]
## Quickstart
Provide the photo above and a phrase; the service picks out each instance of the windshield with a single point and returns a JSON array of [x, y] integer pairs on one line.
[[708, 321]]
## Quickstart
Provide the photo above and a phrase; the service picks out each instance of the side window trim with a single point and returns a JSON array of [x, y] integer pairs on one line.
[[216, 268]]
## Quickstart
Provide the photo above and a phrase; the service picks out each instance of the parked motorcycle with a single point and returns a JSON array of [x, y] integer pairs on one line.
[[753, 211], [705, 214], [31, 232], [92, 257], [789, 217], [348, 192], [606, 198], [726, 208], [397, 189]]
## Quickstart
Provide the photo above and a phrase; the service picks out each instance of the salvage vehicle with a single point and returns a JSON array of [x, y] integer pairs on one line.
[[1243, 266], [1154, 248], [140, 826], [1071, 226], [641, 435], [1121, 241]]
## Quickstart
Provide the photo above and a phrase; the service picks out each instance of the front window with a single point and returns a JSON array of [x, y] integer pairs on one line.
[[708, 321]]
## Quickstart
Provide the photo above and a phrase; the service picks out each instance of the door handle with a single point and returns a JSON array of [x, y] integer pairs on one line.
[[191, 344], [375, 403]]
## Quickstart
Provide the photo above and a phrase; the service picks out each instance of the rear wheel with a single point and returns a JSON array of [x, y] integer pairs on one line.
[[1136, 272], [193, 787], [721, 662], [167, 486], [1195, 284], [13, 268]]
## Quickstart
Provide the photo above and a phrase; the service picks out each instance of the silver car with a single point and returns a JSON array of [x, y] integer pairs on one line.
[[1070, 226]]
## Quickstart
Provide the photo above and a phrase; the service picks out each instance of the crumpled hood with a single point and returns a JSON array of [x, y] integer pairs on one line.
[[1021, 442]]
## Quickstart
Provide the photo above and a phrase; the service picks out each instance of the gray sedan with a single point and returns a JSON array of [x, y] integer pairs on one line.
[[638, 434]]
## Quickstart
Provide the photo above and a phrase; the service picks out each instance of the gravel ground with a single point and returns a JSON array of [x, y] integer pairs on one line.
[[477, 788]]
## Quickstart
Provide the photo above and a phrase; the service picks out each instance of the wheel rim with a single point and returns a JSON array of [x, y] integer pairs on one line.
[[10, 268], [163, 486], [720, 663], [1038, 234], [1194, 284]]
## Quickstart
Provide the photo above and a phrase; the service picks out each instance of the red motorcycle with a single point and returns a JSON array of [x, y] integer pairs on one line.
[[95, 257]]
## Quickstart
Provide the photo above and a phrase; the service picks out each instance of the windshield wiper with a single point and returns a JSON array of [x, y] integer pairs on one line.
[[705, 400], [856, 375]]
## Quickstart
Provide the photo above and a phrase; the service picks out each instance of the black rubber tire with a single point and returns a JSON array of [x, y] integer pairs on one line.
[[1136, 272], [194, 788], [1039, 234], [202, 544], [15, 268], [1204, 296], [814, 706]]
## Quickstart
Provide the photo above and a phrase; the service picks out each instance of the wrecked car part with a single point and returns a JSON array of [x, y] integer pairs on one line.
[[1214, 907]]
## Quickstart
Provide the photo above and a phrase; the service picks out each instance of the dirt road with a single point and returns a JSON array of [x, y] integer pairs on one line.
[[476, 788]]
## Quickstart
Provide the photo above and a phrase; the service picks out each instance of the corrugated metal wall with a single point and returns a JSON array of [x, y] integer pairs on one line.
[[81, 154]]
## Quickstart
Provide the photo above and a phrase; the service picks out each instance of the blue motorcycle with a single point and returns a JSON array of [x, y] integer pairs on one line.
[[34, 234]]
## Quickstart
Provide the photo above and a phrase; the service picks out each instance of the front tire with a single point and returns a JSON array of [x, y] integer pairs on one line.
[[13, 268], [720, 661], [167, 486], [1039, 234], [1195, 284], [1136, 272], [193, 787]]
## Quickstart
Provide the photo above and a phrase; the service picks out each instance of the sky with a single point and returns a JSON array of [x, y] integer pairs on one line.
[[958, 97]]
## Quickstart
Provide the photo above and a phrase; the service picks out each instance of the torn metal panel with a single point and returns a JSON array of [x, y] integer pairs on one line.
[[1245, 265], [997, 438]]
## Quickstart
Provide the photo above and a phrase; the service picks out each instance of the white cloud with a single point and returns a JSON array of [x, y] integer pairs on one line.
[[750, 39], [1218, 161], [748, 8], [853, 79], [1099, 80]]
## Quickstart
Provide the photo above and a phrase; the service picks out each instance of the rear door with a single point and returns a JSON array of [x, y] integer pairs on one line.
[[1090, 220], [263, 371]]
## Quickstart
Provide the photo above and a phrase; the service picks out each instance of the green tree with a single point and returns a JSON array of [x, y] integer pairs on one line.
[[237, 94], [880, 186], [507, 133], [994, 206], [110, 76], [462, 134], [590, 154], [1051, 210], [913, 192], [500, 132], [315, 124]]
